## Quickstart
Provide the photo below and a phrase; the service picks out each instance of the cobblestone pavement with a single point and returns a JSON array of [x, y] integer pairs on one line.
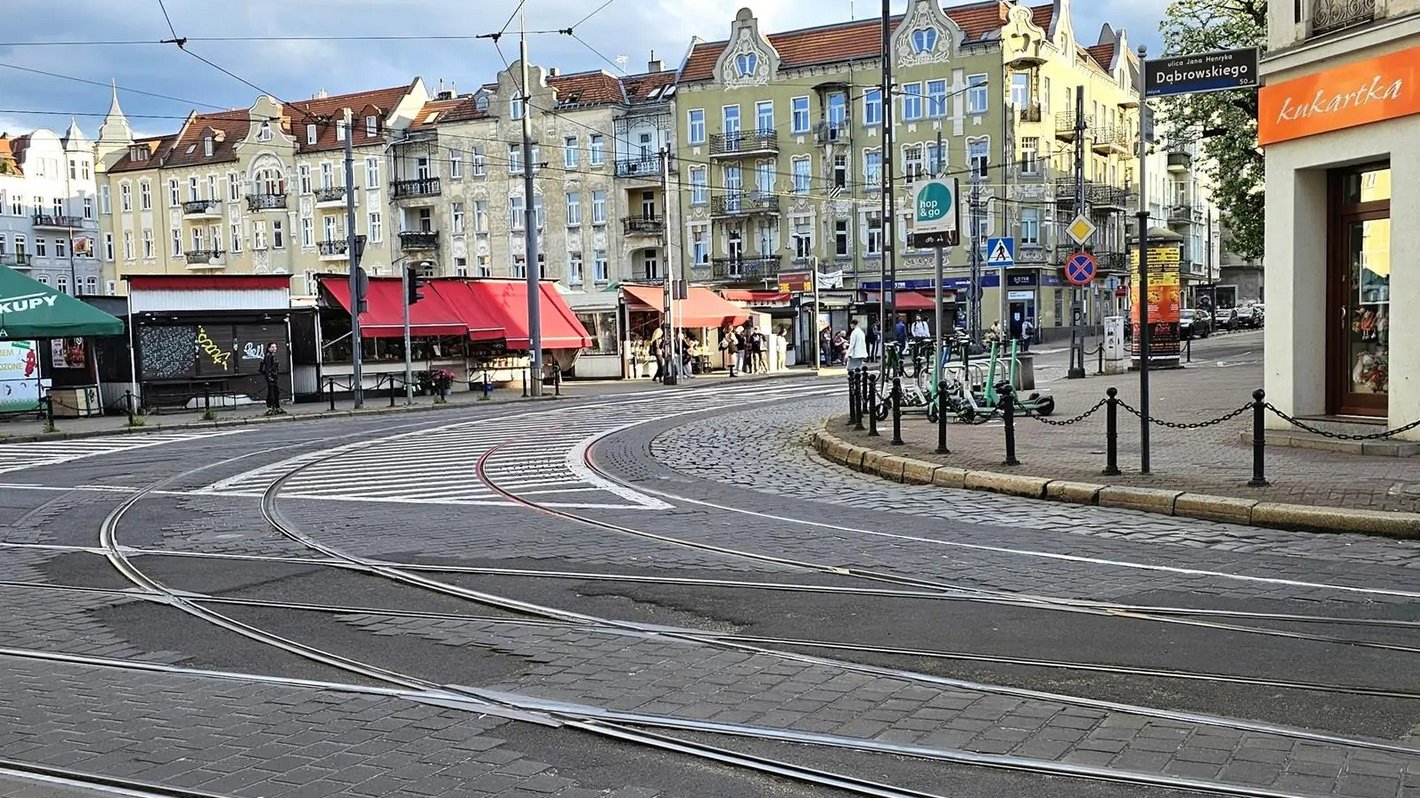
[[1213, 460]]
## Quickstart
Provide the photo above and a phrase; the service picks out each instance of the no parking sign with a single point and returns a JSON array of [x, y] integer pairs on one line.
[[1080, 268]]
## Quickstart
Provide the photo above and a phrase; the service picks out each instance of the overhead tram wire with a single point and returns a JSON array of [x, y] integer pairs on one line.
[[62, 76]]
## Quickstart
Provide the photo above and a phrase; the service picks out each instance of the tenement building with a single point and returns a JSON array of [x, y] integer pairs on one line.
[[782, 167], [1339, 118], [48, 216]]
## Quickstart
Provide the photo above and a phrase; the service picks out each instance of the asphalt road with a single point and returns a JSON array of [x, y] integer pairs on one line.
[[665, 593]]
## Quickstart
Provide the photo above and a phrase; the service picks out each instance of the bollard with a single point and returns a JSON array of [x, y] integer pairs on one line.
[[1188, 349], [48, 412], [942, 418], [852, 399], [391, 391], [1008, 409], [206, 398], [487, 387], [1259, 440], [557, 383], [872, 405], [896, 411], [861, 381], [1111, 433], [330, 389], [525, 381], [1099, 366], [128, 404]]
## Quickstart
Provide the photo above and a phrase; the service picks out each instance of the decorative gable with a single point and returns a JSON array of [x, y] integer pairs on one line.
[[749, 59], [926, 35]]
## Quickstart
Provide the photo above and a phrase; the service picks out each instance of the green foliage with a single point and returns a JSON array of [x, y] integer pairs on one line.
[[138, 421], [209, 415], [1235, 162]]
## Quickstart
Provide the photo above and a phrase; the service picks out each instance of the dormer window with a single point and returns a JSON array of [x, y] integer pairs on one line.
[[925, 40], [138, 153], [746, 63], [263, 133], [372, 126], [311, 134], [340, 130], [208, 146], [481, 102]]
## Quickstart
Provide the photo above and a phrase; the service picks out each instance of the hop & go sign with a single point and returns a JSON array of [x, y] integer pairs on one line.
[[936, 214]]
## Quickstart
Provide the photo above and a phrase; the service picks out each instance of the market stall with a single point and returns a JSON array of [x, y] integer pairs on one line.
[[703, 314]]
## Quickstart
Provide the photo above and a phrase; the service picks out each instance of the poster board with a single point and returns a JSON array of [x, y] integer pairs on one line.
[[19, 376]]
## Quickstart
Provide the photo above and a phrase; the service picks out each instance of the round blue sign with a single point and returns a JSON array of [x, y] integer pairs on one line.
[[1080, 268]]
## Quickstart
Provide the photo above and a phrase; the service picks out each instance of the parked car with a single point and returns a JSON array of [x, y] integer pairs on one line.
[[1243, 317], [1259, 315], [1226, 319], [1194, 323]]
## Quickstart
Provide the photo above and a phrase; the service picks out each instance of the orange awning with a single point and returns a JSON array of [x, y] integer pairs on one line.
[[506, 301], [915, 300], [701, 308], [750, 296], [384, 314]]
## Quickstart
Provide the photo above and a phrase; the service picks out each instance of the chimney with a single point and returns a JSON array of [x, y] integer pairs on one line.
[[553, 72], [321, 95], [655, 64]]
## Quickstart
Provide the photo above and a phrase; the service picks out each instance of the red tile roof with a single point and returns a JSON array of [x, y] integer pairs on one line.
[[455, 109], [586, 88], [9, 165], [846, 41], [640, 87], [1103, 54], [157, 146], [1042, 16], [230, 127], [376, 102]]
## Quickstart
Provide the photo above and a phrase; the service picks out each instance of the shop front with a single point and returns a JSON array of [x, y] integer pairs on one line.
[[703, 315], [1342, 139]]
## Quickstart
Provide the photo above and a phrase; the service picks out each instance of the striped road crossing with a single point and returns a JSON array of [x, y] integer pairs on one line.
[[21, 456]]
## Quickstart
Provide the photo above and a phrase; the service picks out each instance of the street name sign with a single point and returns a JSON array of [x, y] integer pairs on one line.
[[1201, 72]]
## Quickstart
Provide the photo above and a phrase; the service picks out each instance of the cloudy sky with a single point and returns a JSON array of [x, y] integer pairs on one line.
[[294, 69]]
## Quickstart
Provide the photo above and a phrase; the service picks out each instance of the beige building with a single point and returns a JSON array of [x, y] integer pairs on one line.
[[250, 191], [1339, 118]]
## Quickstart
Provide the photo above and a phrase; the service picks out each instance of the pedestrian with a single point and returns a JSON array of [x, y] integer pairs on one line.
[[756, 346], [840, 347], [742, 338], [899, 334], [1027, 334], [271, 371], [920, 330], [730, 342], [857, 346], [873, 340], [825, 347]]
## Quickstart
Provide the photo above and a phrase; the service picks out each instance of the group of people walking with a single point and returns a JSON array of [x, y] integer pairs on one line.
[[676, 360], [744, 349]]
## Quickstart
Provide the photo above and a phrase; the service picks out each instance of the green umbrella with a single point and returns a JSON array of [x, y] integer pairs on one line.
[[30, 309]]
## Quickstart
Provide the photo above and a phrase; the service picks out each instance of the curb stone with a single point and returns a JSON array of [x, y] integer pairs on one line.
[[1227, 509]]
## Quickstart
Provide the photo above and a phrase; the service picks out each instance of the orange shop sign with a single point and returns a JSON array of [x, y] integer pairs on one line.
[[1367, 91]]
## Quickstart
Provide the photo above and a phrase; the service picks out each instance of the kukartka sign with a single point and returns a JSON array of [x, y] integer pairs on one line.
[[1367, 91]]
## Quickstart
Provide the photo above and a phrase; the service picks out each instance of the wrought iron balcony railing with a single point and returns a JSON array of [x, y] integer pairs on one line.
[[266, 202]]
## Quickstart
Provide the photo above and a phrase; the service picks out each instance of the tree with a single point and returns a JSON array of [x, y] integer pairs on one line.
[[1234, 161]]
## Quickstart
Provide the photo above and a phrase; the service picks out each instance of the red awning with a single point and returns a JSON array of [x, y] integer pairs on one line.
[[749, 296], [915, 300], [701, 308], [506, 302], [384, 316], [459, 296]]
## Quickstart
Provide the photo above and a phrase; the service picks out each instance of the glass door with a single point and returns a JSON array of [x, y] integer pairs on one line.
[[1358, 367]]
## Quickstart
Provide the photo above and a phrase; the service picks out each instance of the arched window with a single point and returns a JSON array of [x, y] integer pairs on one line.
[[924, 40], [269, 180]]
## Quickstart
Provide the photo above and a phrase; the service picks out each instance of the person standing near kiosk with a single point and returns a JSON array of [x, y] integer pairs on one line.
[[271, 370]]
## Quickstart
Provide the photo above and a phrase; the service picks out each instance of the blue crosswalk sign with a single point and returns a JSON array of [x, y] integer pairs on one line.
[[1001, 251]]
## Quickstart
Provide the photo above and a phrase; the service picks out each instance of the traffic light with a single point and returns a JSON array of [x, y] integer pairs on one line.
[[413, 284]]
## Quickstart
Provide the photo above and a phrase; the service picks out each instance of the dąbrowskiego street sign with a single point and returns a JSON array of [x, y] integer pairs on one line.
[[1201, 72]]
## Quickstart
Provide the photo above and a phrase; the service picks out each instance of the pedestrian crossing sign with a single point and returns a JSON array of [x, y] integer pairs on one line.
[[1001, 251]]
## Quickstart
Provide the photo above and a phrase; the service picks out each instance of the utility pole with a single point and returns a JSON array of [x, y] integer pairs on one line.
[[974, 324], [668, 376], [889, 205], [1143, 287], [352, 252], [940, 277], [1077, 361], [533, 273], [408, 366]]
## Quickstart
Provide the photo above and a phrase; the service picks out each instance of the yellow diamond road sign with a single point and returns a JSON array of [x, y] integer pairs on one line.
[[1081, 229]]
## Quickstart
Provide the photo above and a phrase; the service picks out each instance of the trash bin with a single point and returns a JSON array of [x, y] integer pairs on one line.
[[1025, 373]]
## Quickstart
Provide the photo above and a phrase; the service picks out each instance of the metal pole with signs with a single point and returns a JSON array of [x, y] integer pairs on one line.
[[936, 224]]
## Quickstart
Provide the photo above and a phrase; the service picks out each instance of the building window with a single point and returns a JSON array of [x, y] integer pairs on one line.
[[803, 237], [41, 247], [278, 235], [599, 267], [61, 283], [175, 243], [375, 225], [455, 164], [233, 187], [1030, 226], [924, 40], [105, 202], [515, 159], [746, 63], [650, 266], [128, 245], [764, 116], [208, 146], [914, 166], [516, 215], [21, 246], [569, 152], [1030, 155], [108, 246], [574, 210], [803, 174], [125, 198], [1020, 90], [598, 207], [480, 162], [311, 134], [574, 268], [263, 133], [483, 264], [799, 113], [193, 194], [873, 222], [936, 98], [212, 187], [911, 102], [480, 216], [873, 169], [695, 126], [460, 267], [873, 107], [308, 232], [258, 235], [73, 169], [236, 238], [699, 188], [372, 174], [304, 175], [58, 204], [456, 218], [372, 126], [979, 156], [515, 107], [596, 149], [840, 171], [730, 116], [520, 266], [840, 237], [61, 247], [976, 97], [764, 176], [88, 207], [340, 130], [699, 244]]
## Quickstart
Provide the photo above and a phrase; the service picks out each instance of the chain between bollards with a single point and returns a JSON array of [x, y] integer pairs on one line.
[[1259, 440], [859, 378], [942, 418], [872, 405], [1111, 433], [1008, 412], [896, 411]]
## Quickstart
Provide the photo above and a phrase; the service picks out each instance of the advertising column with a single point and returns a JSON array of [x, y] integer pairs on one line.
[[1165, 297]]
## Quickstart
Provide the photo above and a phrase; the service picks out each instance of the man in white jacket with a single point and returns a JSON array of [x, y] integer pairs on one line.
[[857, 346]]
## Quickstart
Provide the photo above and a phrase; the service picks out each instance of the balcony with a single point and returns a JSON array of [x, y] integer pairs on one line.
[[1106, 259], [202, 209], [1030, 112], [643, 225], [1109, 140], [415, 240], [1065, 125], [1329, 16], [205, 258], [744, 204], [1029, 254], [418, 187], [19, 261], [332, 250], [57, 221], [647, 168], [1184, 214], [1180, 161], [744, 269], [831, 132], [747, 142], [331, 197], [266, 202], [1100, 196]]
